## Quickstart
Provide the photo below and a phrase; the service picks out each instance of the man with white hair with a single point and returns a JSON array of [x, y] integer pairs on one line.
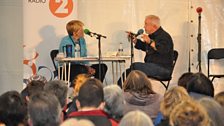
[[158, 45]]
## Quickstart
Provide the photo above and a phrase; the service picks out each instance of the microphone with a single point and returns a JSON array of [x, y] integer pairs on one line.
[[199, 10], [88, 32], [140, 31], [91, 34]]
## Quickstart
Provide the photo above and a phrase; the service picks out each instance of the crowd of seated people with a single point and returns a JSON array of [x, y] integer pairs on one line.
[[191, 102]]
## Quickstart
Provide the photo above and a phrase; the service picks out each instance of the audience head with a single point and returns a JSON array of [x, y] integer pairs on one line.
[[74, 122], [37, 77], [136, 118], [220, 98], [137, 81], [201, 84], [152, 23], [59, 89], [34, 87], [184, 78], [75, 28], [214, 110], [44, 110], [91, 94], [13, 110], [172, 98], [189, 113], [78, 82], [114, 100]]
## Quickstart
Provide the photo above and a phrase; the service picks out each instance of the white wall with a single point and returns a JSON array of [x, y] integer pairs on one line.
[[11, 49]]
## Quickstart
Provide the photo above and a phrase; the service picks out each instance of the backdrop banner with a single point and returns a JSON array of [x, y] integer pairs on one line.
[[45, 20], [44, 26]]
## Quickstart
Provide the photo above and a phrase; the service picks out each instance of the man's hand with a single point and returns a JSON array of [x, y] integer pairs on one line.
[[146, 38], [131, 37], [149, 41]]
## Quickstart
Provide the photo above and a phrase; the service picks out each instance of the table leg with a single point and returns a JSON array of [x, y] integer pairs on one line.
[[69, 70], [113, 71]]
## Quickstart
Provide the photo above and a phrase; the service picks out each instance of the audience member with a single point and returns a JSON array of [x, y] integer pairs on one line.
[[90, 104], [172, 98], [33, 87], [59, 89], [184, 78], [200, 86], [189, 113], [44, 110], [37, 77], [74, 122], [78, 82], [214, 110], [136, 118], [114, 100], [139, 95], [220, 98], [13, 111]]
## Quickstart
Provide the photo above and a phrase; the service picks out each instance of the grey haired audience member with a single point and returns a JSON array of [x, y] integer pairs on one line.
[[136, 118], [44, 110], [200, 86], [214, 110], [59, 89], [13, 111], [114, 100], [75, 122]]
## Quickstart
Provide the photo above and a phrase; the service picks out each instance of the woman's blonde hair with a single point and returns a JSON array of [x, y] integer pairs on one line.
[[78, 82], [73, 26], [173, 97], [137, 81], [189, 113]]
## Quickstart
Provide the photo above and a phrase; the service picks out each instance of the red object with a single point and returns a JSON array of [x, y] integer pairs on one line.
[[199, 10]]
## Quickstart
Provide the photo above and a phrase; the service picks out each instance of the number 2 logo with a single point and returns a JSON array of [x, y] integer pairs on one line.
[[61, 8]]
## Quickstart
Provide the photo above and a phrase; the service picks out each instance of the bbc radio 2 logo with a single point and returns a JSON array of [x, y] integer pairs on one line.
[[59, 8]]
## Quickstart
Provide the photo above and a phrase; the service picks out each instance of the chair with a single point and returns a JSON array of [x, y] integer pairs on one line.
[[215, 54], [53, 54], [168, 79]]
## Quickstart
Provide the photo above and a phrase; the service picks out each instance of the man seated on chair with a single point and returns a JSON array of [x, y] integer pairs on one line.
[[76, 37], [158, 45]]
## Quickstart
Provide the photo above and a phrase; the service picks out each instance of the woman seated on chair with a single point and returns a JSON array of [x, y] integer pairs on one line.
[[75, 38], [139, 95]]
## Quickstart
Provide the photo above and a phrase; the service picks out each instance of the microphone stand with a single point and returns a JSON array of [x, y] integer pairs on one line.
[[99, 36], [132, 51], [199, 42]]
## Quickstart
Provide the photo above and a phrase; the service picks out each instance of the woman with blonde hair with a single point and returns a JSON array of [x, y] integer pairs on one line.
[[189, 113], [139, 95], [172, 98]]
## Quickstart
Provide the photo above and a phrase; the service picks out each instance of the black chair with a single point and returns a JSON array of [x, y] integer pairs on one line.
[[168, 79], [215, 54], [53, 54]]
